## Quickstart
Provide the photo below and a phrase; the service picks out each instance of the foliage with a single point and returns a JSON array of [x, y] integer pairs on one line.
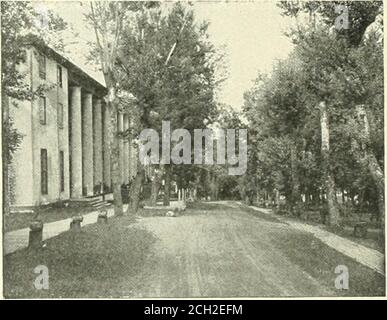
[[19, 23], [342, 67]]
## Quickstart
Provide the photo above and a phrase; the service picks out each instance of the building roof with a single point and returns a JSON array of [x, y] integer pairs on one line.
[[76, 73]]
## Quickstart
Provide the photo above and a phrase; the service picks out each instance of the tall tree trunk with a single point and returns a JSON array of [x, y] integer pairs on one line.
[[296, 196], [277, 198], [5, 153], [135, 191], [114, 147], [167, 185], [213, 187], [367, 158], [156, 184], [269, 199], [378, 178], [197, 183], [242, 192], [115, 173], [342, 196], [329, 184]]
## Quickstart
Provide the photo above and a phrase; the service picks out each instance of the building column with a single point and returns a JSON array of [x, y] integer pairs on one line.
[[106, 148], [87, 144], [97, 129], [120, 124], [126, 151], [76, 143]]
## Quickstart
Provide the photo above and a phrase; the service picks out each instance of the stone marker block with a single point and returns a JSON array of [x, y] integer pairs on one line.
[[171, 214], [75, 224], [179, 210], [102, 217], [36, 234]]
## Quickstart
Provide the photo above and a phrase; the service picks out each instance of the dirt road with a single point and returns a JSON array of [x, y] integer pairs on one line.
[[220, 250]]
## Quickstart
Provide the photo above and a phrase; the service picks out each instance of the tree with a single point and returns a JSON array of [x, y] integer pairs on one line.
[[326, 65], [169, 66], [108, 20], [311, 103]]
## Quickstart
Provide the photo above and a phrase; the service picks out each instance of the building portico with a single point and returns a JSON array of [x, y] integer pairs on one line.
[[64, 153]]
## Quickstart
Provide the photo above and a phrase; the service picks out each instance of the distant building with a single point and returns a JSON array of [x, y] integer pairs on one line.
[[65, 152]]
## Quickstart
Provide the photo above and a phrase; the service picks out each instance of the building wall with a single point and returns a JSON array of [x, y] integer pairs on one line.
[[37, 136], [50, 136], [25, 169], [21, 168]]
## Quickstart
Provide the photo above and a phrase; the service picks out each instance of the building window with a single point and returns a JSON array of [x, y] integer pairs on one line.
[[61, 168], [60, 115], [43, 171], [43, 110], [42, 65], [59, 75]]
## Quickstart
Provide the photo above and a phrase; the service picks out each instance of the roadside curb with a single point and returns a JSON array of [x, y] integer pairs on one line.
[[18, 239]]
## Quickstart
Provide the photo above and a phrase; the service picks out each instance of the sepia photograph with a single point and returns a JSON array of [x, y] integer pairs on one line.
[[192, 150]]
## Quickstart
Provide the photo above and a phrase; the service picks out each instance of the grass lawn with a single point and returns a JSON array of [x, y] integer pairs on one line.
[[374, 239], [261, 215], [155, 212], [107, 260], [95, 262], [16, 221], [320, 261]]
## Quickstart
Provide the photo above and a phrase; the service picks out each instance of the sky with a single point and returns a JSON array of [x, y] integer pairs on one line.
[[250, 33], [254, 39]]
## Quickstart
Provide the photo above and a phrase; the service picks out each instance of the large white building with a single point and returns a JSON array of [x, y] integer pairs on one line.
[[64, 153]]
